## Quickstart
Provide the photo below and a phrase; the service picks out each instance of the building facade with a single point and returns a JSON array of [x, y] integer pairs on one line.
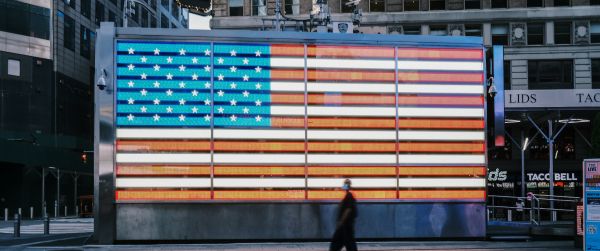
[[47, 95], [551, 71]]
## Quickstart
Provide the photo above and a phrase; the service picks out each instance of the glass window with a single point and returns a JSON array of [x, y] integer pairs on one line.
[[437, 4], [499, 4], [562, 32], [144, 17], [99, 17], [345, 7], [165, 4], [596, 73], [292, 7], [438, 30], [558, 3], [111, 16], [236, 7], [39, 18], [507, 75], [85, 42], [393, 5], [472, 4], [550, 74], [86, 8], [153, 4], [259, 8], [3, 15], [377, 5], [16, 10], [411, 5], [69, 33], [412, 30], [594, 2], [153, 22], [175, 10], [535, 3], [473, 30], [499, 34], [535, 33], [164, 21], [73, 3], [595, 32], [14, 67], [114, 2]]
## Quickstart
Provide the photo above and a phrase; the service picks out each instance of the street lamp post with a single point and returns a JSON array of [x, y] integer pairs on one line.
[[128, 10]]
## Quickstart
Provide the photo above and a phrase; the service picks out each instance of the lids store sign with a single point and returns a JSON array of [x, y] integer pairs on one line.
[[552, 98], [498, 175]]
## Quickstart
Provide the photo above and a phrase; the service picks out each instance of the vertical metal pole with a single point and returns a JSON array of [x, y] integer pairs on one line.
[[43, 191], [125, 2], [523, 163], [6, 214], [30, 212], [57, 191], [75, 192], [551, 158]]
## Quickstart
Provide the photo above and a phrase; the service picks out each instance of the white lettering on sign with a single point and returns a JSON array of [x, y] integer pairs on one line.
[[552, 98], [546, 177], [497, 175]]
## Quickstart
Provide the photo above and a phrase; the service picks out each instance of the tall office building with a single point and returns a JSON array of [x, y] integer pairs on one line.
[[47, 94], [551, 63]]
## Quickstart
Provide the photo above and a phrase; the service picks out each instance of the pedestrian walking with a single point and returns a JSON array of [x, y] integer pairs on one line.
[[344, 231]]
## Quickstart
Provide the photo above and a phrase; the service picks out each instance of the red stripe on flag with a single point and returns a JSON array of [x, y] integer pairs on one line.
[[376, 123], [259, 170], [440, 53], [374, 99], [358, 194], [333, 75], [457, 77], [350, 51], [161, 195], [350, 171], [291, 50], [442, 194], [447, 171], [259, 195]]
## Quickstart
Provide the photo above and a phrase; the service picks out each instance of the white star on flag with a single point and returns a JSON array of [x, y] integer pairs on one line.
[[258, 86], [130, 67], [246, 77], [156, 84], [220, 60], [194, 60], [182, 68], [233, 69], [233, 102], [156, 51], [246, 110], [169, 109], [130, 117], [258, 118], [182, 52], [221, 93], [207, 85], [194, 76], [169, 76], [143, 75], [207, 52], [156, 117], [169, 92], [258, 102], [156, 67], [181, 117], [182, 102], [144, 59], [181, 84], [143, 92], [143, 109], [207, 68], [207, 101], [233, 85], [258, 69], [257, 53], [156, 101], [194, 93], [221, 110], [245, 61], [130, 101], [131, 50], [233, 118], [194, 109], [246, 93], [169, 60], [233, 53], [221, 77], [130, 83], [207, 117]]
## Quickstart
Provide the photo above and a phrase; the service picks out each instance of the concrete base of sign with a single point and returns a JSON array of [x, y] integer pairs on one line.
[[293, 221]]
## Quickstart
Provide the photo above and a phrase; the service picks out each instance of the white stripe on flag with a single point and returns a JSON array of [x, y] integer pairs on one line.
[[441, 89], [440, 135], [351, 87], [328, 63], [257, 134], [253, 158], [162, 182], [291, 86], [441, 182], [356, 182], [351, 158], [439, 65], [441, 159], [162, 158], [379, 111], [123, 133], [258, 182]]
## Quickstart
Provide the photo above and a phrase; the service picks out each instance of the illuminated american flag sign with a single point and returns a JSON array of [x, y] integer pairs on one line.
[[239, 121]]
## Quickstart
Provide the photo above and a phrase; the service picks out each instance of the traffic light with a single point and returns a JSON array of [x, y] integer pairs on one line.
[[83, 158]]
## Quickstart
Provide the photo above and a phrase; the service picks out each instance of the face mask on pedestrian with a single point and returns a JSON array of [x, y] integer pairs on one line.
[[346, 187]]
